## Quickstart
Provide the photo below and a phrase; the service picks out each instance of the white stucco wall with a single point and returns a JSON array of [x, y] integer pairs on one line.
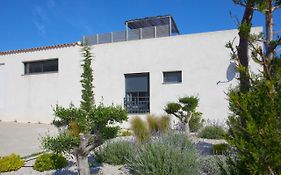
[[29, 98], [202, 58]]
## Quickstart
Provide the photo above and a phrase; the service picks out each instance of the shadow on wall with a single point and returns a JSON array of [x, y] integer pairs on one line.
[[230, 73]]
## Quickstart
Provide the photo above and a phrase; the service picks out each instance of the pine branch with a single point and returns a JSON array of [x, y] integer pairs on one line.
[[276, 7], [243, 4], [273, 45]]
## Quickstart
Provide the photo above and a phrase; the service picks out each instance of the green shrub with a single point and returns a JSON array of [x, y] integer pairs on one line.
[[184, 109], [11, 162], [212, 132], [124, 133], [63, 143], [116, 153], [220, 149], [170, 154], [49, 161], [196, 122], [73, 129], [140, 129], [210, 165], [110, 132]]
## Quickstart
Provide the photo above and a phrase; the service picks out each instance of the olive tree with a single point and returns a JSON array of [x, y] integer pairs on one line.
[[86, 126]]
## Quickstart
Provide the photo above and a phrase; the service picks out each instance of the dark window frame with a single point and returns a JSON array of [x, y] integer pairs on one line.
[[42, 66], [165, 73], [144, 99]]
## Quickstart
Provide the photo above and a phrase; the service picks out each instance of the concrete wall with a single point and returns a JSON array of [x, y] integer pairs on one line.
[[29, 98], [202, 58]]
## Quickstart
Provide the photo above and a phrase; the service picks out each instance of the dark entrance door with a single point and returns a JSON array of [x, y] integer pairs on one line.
[[137, 93]]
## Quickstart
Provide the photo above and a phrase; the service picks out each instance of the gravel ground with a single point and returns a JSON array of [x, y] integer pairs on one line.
[[204, 147], [105, 169], [22, 138]]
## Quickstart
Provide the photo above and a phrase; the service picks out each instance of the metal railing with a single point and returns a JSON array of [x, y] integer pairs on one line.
[[137, 105], [134, 34]]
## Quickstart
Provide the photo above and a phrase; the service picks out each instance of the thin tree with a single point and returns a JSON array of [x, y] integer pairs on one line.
[[254, 124], [87, 101], [267, 7], [243, 47]]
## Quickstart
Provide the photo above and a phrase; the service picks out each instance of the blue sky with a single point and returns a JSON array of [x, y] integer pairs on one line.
[[33, 23]]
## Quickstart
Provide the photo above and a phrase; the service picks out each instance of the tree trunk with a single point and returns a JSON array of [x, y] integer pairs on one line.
[[243, 48], [269, 29], [186, 124], [186, 128], [82, 153], [83, 165]]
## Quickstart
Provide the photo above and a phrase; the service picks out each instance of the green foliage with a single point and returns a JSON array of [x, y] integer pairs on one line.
[[65, 116], [104, 116], [124, 133], [172, 108], [11, 162], [184, 109], [210, 165], [140, 129], [110, 132], [170, 154], [59, 144], [244, 29], [196, 122], [49, 161], [212, 132], [88, 125], [115, 153], [220, 149], [190, 103], [254, 125], [87, 101], [73, 129]]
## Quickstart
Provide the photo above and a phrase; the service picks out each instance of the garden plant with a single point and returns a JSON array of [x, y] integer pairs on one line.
[[184, 110], [87, 125]]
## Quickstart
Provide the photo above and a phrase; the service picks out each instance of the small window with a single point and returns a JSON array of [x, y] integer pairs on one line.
[[172, 77], [41, 66]]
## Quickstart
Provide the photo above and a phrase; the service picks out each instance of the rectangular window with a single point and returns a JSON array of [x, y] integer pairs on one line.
[[41, 66], [137, 93], [172, 77]]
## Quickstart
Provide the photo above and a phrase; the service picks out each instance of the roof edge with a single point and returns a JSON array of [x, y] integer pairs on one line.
[[34, 49]]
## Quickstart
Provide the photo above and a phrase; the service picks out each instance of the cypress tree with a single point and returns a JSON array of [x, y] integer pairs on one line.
[[87, 101]]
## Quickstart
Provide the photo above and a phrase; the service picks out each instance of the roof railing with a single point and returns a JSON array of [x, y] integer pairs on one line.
[[128, 35]]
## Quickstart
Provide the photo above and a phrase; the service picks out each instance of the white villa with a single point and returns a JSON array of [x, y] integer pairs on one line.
[[141, 68]]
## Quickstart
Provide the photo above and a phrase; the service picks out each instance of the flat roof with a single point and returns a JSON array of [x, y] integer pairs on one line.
[[152, 21], [9, 52]]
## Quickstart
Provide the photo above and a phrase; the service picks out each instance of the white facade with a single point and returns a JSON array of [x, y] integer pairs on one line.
[[202, 58]]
